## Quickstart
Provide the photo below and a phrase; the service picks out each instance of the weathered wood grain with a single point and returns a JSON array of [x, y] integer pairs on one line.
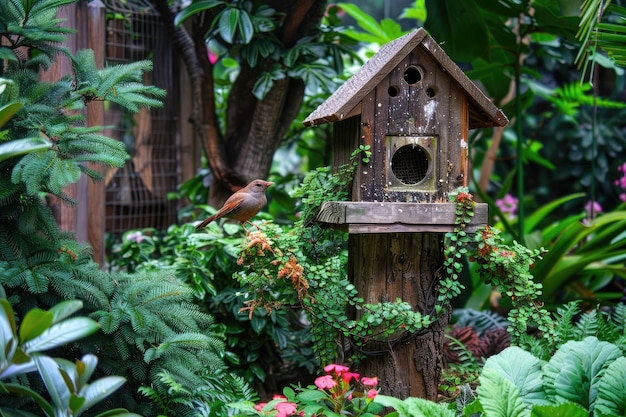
[[385, 217]]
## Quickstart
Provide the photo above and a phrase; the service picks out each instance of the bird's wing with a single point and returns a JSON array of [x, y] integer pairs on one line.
[[231, 205]]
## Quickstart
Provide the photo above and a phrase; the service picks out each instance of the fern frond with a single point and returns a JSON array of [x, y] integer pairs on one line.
[[121, 84], [618, 318], [587, 324], [479, 320], [565, 322]]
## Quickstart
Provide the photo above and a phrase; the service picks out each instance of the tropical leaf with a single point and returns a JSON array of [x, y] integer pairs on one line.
[[575, 371], [565, 409], [611, 398], [523, 370], [499, 397]]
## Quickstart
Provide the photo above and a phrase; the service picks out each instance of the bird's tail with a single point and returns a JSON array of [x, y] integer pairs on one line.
[[207, 221]]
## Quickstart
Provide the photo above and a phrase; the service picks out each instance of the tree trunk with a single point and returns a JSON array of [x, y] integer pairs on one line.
[[244, 148], [385, 267]]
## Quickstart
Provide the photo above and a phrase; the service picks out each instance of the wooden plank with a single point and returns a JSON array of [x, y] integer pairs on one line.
[[390, 217], [95, 117]]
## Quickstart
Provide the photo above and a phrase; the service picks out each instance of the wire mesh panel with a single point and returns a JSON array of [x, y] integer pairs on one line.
[[409, 164], [136, 195]]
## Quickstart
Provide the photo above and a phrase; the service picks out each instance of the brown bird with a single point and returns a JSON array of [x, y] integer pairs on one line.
[[242, 205]]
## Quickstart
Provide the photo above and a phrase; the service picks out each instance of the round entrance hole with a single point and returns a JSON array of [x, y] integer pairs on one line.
[[410, 164], [393, 91], [412, 75]]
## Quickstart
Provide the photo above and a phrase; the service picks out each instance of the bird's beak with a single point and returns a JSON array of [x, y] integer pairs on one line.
[[268, 183]]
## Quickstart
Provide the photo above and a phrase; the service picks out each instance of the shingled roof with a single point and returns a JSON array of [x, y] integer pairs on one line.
[[344, 101]]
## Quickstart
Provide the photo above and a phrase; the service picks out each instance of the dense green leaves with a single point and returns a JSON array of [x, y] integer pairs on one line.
[[582, 376]]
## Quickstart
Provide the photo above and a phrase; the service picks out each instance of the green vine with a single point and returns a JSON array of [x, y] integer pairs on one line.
[[500, 265], [304, 267]]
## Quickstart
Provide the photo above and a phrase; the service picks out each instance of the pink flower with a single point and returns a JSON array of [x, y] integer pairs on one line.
[[279, 397], [212, 57], [259, 406], [597, 208], [622, 197], [285, 409], [337, 368], [347, 376], [135, 237], [369, 382], [508, 205], [371, 394], [325, 382]]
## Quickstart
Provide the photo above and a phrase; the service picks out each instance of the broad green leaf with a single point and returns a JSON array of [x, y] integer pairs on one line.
[[34, 395], [35, 322], [499, 397], [246, 28], [533, 220], [85, 367], [312, 395], [523, 370], [365, 22], [566, 409], [195, 8], [19, 147], [76, 403], [575, 370], [8, 328], [100, 389], [62, 333], [414, 407], [118, 412], [55, 384], [7, 111], [228, 24], [65, 309], [611, 398]]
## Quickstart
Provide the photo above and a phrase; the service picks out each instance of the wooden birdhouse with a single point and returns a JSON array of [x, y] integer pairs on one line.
[[414, 107]]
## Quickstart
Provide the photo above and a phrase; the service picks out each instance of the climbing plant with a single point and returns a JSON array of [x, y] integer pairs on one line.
[[305, 267]]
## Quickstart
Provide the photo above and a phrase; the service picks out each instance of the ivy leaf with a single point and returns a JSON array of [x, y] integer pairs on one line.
[[245, 26], [228, 24]]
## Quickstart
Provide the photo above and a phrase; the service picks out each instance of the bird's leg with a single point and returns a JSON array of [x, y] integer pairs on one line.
[[249, 222]]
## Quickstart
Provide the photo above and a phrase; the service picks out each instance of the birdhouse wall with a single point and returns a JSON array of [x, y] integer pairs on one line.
[[420, 102]]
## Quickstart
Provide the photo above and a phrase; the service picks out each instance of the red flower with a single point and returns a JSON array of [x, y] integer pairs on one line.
[[347, 376]]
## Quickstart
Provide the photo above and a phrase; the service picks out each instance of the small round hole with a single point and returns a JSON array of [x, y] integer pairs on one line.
[[430, 92], [393, 91], [412, 75]]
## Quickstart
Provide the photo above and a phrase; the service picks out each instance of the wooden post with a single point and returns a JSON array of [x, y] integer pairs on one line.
[[95, 117], [387, 266], [68, 216]]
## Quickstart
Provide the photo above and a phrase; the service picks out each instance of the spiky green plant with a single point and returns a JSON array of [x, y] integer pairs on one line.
[[150, 322]]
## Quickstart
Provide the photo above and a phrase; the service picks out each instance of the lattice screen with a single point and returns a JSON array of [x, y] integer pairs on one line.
[[136, 196]]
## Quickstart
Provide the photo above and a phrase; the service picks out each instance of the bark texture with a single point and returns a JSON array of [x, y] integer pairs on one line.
[[384, 267], [243, 149]]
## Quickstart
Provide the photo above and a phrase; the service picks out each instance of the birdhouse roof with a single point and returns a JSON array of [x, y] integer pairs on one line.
[[344, 101]]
